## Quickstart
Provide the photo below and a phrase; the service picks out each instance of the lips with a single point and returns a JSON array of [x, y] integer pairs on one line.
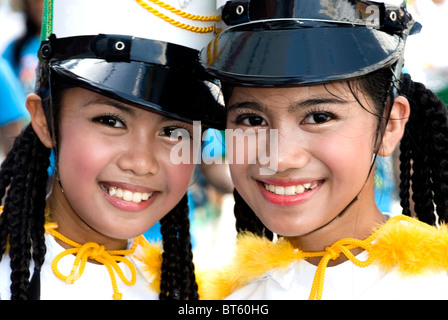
[[128, 197], [290, 190], [289, 193]]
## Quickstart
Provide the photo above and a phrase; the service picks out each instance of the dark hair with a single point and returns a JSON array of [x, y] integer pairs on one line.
[[423, 150], [24, 176], [178, 278], [24, 171]]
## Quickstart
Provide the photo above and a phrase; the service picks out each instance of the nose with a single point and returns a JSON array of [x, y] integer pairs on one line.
[[291, 151], [139, 156]]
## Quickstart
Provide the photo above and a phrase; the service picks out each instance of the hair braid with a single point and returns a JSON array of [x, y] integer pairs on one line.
[[405, 175], [425, 146], [178, 279], [246, 220], [25, 167]]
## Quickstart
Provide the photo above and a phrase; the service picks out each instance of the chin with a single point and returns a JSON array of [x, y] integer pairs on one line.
[[285, 227]]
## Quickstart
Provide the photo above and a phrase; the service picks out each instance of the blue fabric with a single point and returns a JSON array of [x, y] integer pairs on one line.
[[12, 98], [25, 68]]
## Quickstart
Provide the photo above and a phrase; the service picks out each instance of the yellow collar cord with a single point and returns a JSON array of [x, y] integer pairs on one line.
[[332, 253], [96, 252]]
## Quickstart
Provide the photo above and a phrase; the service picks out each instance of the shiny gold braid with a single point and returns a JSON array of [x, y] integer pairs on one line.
[[179, 13]]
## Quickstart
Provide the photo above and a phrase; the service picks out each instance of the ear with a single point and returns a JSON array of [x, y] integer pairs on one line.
[[38, 119], [399, 116]]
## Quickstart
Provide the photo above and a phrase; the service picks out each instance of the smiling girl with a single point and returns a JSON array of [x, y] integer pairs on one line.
[[108, 100], [327, 83]]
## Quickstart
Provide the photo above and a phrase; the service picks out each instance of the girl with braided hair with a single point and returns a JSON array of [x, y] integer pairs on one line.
[[105, 110], [325, 77]]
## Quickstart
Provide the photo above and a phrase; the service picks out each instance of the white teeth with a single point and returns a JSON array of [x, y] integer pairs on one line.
[[279, 190], [290, 190], [137, 197], [112, 191], [300, 189], [127, 195], [119, 193]]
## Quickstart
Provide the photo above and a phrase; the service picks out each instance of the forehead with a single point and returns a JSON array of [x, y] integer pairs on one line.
[[75, 100], [337, 90]]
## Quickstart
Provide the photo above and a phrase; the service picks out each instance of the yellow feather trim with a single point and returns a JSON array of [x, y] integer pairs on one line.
[[150, 256], [413, 248], [403, 243], [254, 256]]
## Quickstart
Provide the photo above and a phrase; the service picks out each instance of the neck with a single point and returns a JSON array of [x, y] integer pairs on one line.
[[357, 222]]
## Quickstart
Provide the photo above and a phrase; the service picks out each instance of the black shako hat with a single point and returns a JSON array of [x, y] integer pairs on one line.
[[294, 42], [129, 51]]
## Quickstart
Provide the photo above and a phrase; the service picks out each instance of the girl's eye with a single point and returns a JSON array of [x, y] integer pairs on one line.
[[110, 121], [318, 118], [175, 132], [168, 131], [251, 120]]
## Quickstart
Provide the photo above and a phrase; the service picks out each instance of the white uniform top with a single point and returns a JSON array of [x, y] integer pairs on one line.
[[94, 284], [409, 260], [344, 281]]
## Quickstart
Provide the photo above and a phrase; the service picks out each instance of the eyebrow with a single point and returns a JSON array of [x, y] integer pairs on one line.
[[110, 102], [292, 108], [248, 105], [315, 102]]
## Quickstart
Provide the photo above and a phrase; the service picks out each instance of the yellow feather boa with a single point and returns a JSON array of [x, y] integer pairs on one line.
[[402, 243], [150, 256]]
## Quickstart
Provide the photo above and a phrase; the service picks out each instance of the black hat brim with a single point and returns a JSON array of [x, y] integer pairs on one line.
[[293, 52]]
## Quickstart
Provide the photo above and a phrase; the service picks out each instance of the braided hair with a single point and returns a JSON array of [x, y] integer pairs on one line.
[[423, 151], [178, 279], [424, 154], [24, 180], [23, 176]]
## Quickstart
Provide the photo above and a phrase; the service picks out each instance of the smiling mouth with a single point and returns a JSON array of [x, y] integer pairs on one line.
[[291, 190], [127, 195]]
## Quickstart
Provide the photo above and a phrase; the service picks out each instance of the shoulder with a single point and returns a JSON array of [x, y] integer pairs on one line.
[[403, 247], [411, 246], [149, 259], [254, 256]]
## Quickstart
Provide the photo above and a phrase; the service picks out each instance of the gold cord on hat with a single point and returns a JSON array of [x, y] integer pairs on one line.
[[180, 13]]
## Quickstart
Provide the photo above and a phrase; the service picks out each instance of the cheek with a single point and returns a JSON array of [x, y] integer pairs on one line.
[[81, 159], [346, 159], [178, 178]]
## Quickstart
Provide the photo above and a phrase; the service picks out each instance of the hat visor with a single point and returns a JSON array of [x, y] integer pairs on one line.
[[155, 88], [293, 52]]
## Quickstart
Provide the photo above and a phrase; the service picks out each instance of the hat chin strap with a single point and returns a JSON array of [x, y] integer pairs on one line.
[[356, 198], [372, 165]]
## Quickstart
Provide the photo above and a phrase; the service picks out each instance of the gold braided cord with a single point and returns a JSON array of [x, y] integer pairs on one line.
[[178, 23], [96, 252], [332, 253], [183, 13]]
